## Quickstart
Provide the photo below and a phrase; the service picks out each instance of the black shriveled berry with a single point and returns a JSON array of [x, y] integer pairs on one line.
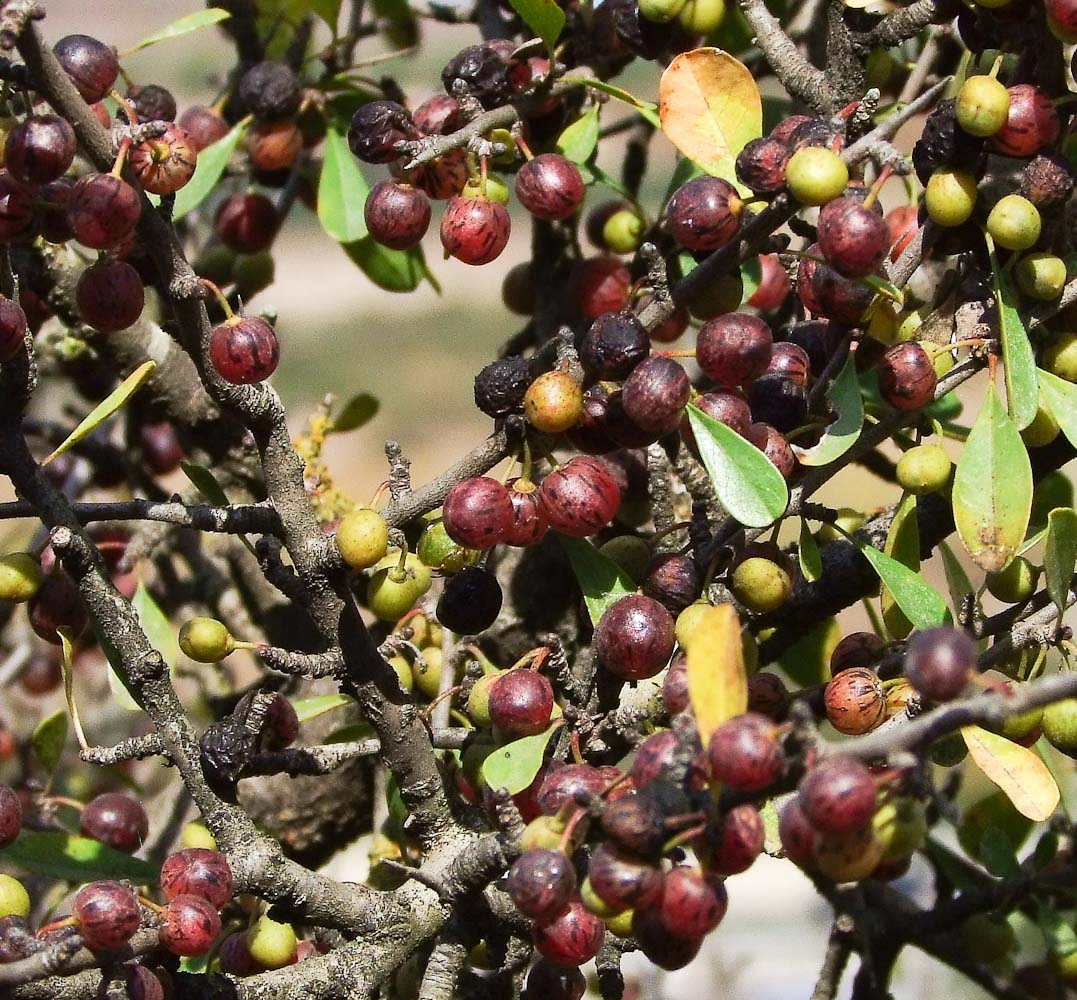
[[484, 72], [778, 401], [613, 346], [470, 601], [944, 143], [152, 103], [376, 128], [500, 386], [270, 90], [761, 164], [1047, 180]]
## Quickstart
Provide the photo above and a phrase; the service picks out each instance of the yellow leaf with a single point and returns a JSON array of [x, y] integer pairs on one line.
[[717, 680], [1018, 771], [710, 109]]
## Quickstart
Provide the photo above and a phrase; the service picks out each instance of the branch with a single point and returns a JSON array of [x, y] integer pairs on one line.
[[803, 80], [239, 519], [905, 23]]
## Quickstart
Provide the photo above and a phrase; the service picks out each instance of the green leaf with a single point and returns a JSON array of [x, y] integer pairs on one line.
[[310, 708], [342, 191], [1060, 554], [1060, 397], [182, 26], [846, 398], [600, 175], [807, 661], [602, 581], [745, 480], [543, 17], [206, 483], [957, 580], [647, 109], [902, 544], [992, 493], [919, 601], [49, 739], [393, 270], [75, 859], [212, 162], [1022, 393], [578, 141], [1057, 929], [751, 273], [811, 560], [515, 765], [359, 410], [108, 406], [993, 812], [998, 855]]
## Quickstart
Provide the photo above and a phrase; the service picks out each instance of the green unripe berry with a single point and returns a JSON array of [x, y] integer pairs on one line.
[[950, 196], [402, 669], [815, 175], [553, 402], [21, 576], [505, 137], [1054, 490], [1043, 429], [900, 825], [14, 899], [1041, 276], [392, 591], [1060, 356], [271, 944], [688, 619], [205, 640], [196, 834], [1020, 727], [362, 538], [660, 11], [848, 520], [761, 585], [883, 325], [496, 189], [623, 231], [632, 554], [982, 106], [701, 17], [1014, 222], [427, 676], [1013, 583], [478, 701], [848, 857], [1060, 725], [620, 926], [924, 469], [438, 551], [595, 903], [1065, 966]]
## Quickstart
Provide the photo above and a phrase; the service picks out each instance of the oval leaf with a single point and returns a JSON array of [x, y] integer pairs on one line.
[[515, 765], [392, 270], [103, 410], [1018, 771], [918, 600], [342, 191], [75, 859], [992, 494], [543, 17], [717, 680], [206, 483], [744, 479], [602, 581], [1060, 397], [1060, 554], [211, 164], [710, 108], [359, 410], [49, 739], [578, 141], [846, 398], [183, 26], [902, 544], [311, 708], [811, 560], [1019, 363]]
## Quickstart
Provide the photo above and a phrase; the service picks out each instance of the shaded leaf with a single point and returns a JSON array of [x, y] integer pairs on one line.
[[811, 560], [342, 191], [206, 483], [211, 164], [1019, 363], [993, 812], [647, 109], [155, 624], [67, 663], [49, 739], [992, 493], [1018, 771], [807, 661], [392, 270], [884, 288], [717, 679], [543, 17], [998, 855], [921, 603], [103, 410], [602, 581], [957, 580], [1060, 554], [515, 765], [710, 109], [751, 273], [578, 141], [745, 480], [182, 26], [1057, 930], [310, 708], [846, 398], [600, 175], [902, 544], [359, 410], [1060, 398], [75, 859]]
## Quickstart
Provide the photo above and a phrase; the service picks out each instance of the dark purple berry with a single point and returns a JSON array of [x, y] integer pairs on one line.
[[246, 223], [197, 871], [57, 605], [637, 822], [613, 346], [655, 756], [634, 638], [655, 394], [550, 187], [571, 783], [746, 753], [725, 406], [110, 295], [270, 90], [673, 580], [692, 903], [92, 65], [115, 819], [665, 949], [12, 329], [778, 401], [376, 128], [854, 239], [704, 214], [244, 350], [734, 349], [397, 215], [521, 702], [939, 663], [761, 164], [281, 725], [621, 880], [541, 883], [203, 126], [152, 103], [768, 695], [675, 685], [40, 149], [470, 601], [478, 512], [735, 840], [580, 497], [161, 448], [10, 815], [103, 210], [825, 292], [108, 915], [838, 795], [51, 203], [791, 361], [797, 834], [549, 981]]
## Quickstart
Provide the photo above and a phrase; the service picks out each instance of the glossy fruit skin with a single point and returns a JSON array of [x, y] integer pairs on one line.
[[774, 286], [600, 285], [108, 915], [541, 883], [115, 819], [528, 520], [362, 538], [102, 210], [474, 230], [760, 584], [815, 175], [16, 207], [855, 701], [392, 593], [983, 104], [773, 444], [521, 702], [197, 872], [778, 401], [838, 795], [1060, 725], [549, 981], [939, 662], [655, 394], [478, 512], [857, 649], [272, 944], [924, 469], [673, 580], [762, 163], [39, 149], [907, 376], [725, 406], [553, 402], [622, 880], [247, 223], [734, 349], [205, 640], [613, 346], [1041, 276], [203, 126], [571, 938], [397, 215], [92, 65], [12, 330], [1032, 123], [693, 902], [704, 214], [734, 840], [10, 815], [580, 497], [654, 758], [550, 187], [745, 753], [666, 950], [768, 695], [244, 350], [571, 783], [950, 197], [57, 605], [189, 926], [634, 638], [1014, 222], [797, 835], [623, 232], [21, 577], [854, 239], [166, 163], [110, 295], [790, 361]]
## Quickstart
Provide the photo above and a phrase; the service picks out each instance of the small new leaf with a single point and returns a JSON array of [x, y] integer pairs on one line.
[[1019, 363], [579, 140], [182, 26], [1060, 554], [811, 560], [602, 581], [543, 17], [514, 766]]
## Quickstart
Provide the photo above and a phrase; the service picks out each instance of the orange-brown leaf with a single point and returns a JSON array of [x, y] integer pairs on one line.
[[1018, 771], [717, 680]]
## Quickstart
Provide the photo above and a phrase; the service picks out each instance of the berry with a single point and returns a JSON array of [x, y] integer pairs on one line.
[[746, 753], [362, 538], [541, 883], [1014, 222], [571, 938], [760, 584], [613, 346], [638, 822], [950, 196], [39, 149], [903, 224], [907, 376], [110, 295], [44, 673], [14, 899], [550, 187], [854, 239], [484, 70], [393, 591], [983, 104], [655, 394], [438, 551], [623, 231], [768, 695], [397, 215], [704, 214], [1032, 122], [816, 176], [571, 783], [115, 819], [500, 386], [579, 497], [270, 90], [470, 601], [57, 605], [939, 662], [165, 163], [693, 902], [855, 701], [281, 725], [205, 640], [665, 949], [847, 857], [621, 880], [521, 702], [16, 208], [773, 287], [900, 825], [92, 65], [21, 576], [474, 230], [152, 103], [273, 145], [1015, 583], [10, 815], [600, 285], [654, 758], [108, 915], [1060, 356], [734, 349], [244, 350], [1047, 181], [857, 649], [271, 944], [838, 795], [235, 957], [197, 872], [674, 581], [1041, 276], [825, 292], [548, 981], [762, 163], [797, 834], [247, 223], [924, 469], [203, 126], [478, 512], [102, 210], [528, 520], [553, 402], [1060, 725], [735, 840], [778, 401], [944, 143], [376, 128], [161, 448], [634, 638], [790, 361], [189, 926]]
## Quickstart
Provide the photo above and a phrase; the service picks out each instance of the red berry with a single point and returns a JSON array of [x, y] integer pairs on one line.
[[854, 239], [1032, 123], [541, 883], [797, 835], [654, 757], [12, 329], [675, 685], [115, 819], [57, 605], [16, 207], [773, 285], [10, 815], [474, 230], [773, 444], [655, 394], [838, 795], [203, 126], [164, 163], [907, 377], [665, 949], [244, 350], [692, 903], [247, 223], [939, 663], [621, 880], [736, 840], [397, 215], [197, 871], [600, 285], [110, 295], [704, 214], [521, 702], [634, 638], [528, 521], [571, 938], [746, 753], [761, 164], [108, 915], [673, 580], [550, 187], [580, 497], [39, 149], [189, 926], [734, 349], [92, 65], [103, 210], [903, 223], [571, 783], [478, 512]]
